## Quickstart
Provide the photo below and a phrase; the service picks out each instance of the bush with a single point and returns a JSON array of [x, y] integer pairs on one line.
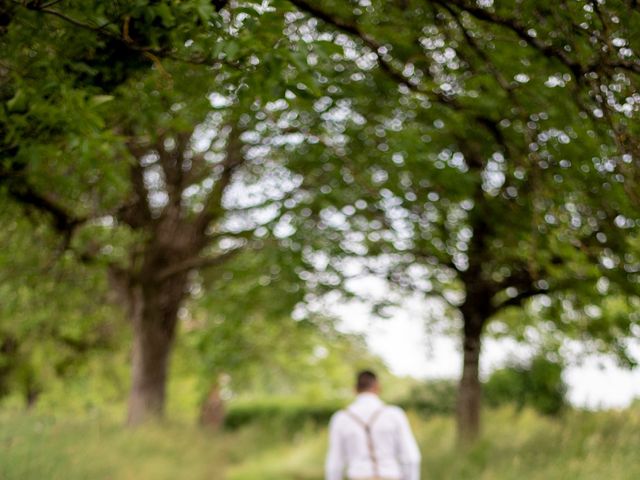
[[435, 397], [538, 385], [290, 414]]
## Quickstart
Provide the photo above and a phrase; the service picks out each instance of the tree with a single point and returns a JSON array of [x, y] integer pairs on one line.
[[495, 172], [49, 325], [482, 153], [132, 132]]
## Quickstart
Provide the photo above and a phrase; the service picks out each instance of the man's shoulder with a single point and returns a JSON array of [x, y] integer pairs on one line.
[[338, 415], [385, 407], [395, 410]]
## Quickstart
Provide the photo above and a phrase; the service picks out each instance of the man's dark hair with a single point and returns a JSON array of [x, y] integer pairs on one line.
[[365, 380]]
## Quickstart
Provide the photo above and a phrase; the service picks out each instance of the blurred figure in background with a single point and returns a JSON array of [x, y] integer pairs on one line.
[[370, 440]]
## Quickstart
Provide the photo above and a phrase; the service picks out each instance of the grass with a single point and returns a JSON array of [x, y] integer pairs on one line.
[[91, 448], [580, 445]]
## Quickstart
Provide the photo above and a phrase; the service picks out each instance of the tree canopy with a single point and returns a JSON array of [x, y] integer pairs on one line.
[[243, 158]]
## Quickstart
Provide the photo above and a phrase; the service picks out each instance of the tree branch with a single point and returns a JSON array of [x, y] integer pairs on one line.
[[148, 52], [198, 263], [172, 162], [24, 193], [136, 212], [520, 30], [234, 159], [385, 65], [578, 69], [519, 299]]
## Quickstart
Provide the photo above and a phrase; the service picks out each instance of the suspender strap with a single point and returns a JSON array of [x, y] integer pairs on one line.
[[366, 426]]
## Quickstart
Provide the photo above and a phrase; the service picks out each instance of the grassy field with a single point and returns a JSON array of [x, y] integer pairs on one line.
[[581, 445]]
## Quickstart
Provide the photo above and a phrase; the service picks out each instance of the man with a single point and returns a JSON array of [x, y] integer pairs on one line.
[[371, 440]]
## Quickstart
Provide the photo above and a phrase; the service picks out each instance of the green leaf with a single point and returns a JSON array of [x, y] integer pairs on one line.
[[97, 100], [164, 12], [18, 103], [328, 48]]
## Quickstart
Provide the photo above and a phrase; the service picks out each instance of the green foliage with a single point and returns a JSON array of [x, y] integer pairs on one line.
[[449, 147], [287, 413], [260, 355], [55, 313], [432, 397], [82, 86], [538, 385], [426, 399]]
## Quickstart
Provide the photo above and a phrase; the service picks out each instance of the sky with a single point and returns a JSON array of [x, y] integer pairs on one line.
[[409, 349]]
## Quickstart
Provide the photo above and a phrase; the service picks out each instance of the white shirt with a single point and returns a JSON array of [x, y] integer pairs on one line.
[[396, 451]]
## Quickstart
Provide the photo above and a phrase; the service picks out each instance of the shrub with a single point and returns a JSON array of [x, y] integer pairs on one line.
[[435, 397], [290, 414], [538, 385]]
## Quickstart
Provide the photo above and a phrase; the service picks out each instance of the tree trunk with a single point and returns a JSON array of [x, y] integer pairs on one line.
[[154, 284], [151, 349], [32, 394], [476, 310], [154, 316], [212, 410], [469, 390]]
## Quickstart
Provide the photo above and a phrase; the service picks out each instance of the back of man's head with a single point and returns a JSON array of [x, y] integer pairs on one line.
[[366, 381]]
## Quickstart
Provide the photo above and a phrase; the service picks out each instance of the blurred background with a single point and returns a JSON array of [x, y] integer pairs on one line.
[[215, 212]]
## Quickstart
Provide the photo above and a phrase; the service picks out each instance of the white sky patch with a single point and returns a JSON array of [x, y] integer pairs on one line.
[[407, 347]]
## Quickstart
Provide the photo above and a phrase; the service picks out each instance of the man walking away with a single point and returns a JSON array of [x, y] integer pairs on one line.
[[371, 440]]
